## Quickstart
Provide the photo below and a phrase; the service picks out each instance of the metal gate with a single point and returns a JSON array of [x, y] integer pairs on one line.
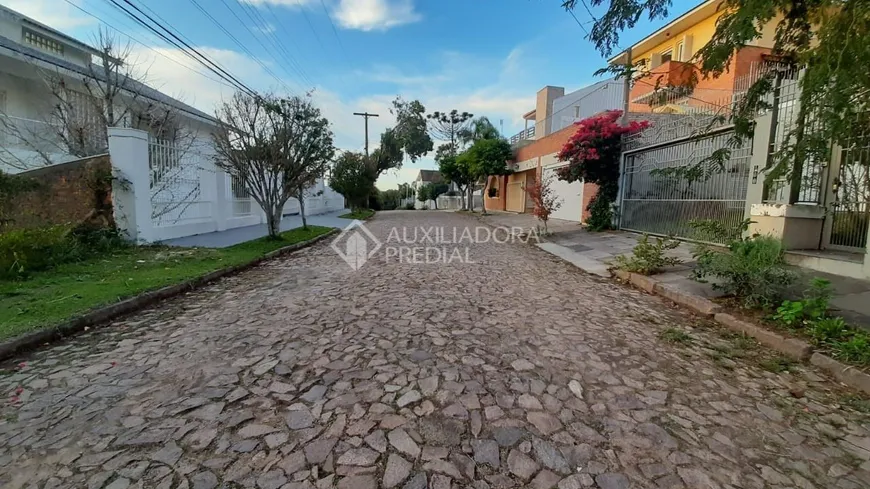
[[850, 206], [668, 185]]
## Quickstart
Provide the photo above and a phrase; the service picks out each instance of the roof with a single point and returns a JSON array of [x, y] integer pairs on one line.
[[26, 53], [701, 11], [34, 23], [530, 115], [433, 176]]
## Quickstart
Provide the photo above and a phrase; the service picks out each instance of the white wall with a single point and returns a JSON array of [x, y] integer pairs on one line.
[[598, 97]]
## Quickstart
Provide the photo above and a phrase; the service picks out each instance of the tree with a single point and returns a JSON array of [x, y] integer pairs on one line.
[[353, 176], [274, 146], [389, 154], [454, 170], [593, 154], [390, 199], [431, 191], [545, 198], [411, 130], [481, 128], [487, 158], [826, 39], [79, 108], [449, 126]]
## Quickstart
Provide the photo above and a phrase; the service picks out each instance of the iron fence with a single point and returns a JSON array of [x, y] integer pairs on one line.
[[668, 186]]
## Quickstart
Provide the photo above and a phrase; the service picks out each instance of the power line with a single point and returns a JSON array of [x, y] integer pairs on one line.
[[125, 34], [260, 23], [334, 29], [193, 53], [238, 43]]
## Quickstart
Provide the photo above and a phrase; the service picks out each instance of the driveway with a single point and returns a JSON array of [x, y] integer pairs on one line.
[[516, 370]]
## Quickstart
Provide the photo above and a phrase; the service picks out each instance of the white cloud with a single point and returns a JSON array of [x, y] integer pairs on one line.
[[53, 13], [375, 15], [266, 29]]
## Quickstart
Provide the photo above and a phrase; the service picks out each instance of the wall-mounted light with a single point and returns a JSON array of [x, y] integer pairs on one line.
[[755, 174]]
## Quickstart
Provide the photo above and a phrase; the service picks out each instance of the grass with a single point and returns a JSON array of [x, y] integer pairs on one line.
[[673, 335], [360, 214], [777, 364], [53, 296]]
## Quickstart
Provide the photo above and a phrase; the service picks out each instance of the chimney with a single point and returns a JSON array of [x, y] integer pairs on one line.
[[544, 109]]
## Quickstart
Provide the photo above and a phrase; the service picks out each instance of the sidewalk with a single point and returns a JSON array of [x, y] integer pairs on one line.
[[593, 252], [222, 239]]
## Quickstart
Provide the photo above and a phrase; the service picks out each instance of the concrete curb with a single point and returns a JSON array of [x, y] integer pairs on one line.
[[32, 340], [791, 347]]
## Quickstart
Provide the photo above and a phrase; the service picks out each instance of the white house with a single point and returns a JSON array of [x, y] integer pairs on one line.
[[34, 58], [161, 146]]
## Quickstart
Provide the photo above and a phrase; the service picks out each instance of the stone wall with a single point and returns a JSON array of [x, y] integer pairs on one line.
[[64, 194]]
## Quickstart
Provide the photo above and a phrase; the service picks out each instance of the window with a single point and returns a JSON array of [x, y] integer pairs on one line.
[[576, 111], [667, 55], [680, 46], [42, 42]]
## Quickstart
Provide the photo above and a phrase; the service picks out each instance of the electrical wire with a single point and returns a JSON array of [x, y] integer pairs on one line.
[[136, 40], [175, 41], [258, 22], [239, 44]]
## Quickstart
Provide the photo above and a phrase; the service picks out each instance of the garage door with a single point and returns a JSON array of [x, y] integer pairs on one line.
[[571, 195]]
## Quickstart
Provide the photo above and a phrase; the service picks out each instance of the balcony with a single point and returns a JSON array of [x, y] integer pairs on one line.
[[524, 135], [671, 79]]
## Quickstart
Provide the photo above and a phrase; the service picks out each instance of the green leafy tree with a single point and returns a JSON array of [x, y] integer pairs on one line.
[[487, 158], [827, 39], [353, 176], [431, 191], [481, 128], [455, 170], [411, 128]]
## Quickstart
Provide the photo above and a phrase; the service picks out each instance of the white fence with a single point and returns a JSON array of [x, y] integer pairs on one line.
[[164, 190]]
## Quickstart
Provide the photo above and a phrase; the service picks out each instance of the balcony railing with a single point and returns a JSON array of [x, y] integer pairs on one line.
[[523, 135], [669, 77]]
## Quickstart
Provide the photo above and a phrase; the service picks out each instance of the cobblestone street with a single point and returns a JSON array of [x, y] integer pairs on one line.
[[517, 370]]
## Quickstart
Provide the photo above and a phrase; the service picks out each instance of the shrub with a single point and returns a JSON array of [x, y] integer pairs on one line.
[[649, 258], [410, 207], [856, 349], [753, 270], [23, 251], [813, 306], [827, 331], [26, 250]]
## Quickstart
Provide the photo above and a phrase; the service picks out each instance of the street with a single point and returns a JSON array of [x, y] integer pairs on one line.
[[514, 370]]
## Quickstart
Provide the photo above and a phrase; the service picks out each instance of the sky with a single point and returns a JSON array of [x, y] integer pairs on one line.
[[487, 57]]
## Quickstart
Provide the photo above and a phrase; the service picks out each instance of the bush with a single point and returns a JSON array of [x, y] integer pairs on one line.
[[753, 270], [23, 251], [27, 250], [827, 331], [649, 258], [813, 306], [410, 207]]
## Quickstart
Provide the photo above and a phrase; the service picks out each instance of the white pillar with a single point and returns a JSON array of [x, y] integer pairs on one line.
[[222, 203], [131, 185]]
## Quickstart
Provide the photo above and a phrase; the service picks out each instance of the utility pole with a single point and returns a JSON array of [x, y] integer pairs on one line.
[[366, 116]]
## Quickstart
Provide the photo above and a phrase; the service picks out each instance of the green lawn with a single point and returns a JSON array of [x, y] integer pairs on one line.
[[361, 215], [50, 297]]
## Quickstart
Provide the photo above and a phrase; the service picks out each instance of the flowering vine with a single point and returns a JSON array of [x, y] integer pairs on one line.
[[593, 156]]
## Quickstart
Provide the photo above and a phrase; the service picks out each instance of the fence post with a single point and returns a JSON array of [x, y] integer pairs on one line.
[[222, 202], [131, 185]]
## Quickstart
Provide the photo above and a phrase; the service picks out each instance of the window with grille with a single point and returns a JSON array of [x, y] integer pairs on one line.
[[42, 42]]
